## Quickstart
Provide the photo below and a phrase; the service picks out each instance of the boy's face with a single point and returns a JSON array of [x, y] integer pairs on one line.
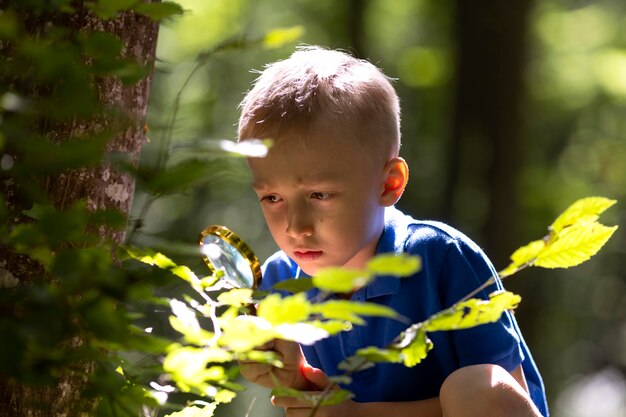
[[321, 200]]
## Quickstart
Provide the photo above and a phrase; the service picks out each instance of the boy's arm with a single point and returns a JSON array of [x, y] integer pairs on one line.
[[486, 390], [318, 380]]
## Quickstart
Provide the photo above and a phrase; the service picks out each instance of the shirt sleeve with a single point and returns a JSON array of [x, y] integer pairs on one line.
[[465, 268]]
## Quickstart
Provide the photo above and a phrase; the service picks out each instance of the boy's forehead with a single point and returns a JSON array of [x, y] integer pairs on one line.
[[267, 173]]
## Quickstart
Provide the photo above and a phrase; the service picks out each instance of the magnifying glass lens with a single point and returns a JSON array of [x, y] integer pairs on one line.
[[223, 250]]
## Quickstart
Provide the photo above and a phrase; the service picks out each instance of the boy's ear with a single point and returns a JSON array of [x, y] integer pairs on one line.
[[396, 176]]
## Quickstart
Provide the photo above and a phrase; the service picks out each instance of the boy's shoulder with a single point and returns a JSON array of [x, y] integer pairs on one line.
[[403, 233]]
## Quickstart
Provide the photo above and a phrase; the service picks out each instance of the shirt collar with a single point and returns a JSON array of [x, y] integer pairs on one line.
[[391, 241]]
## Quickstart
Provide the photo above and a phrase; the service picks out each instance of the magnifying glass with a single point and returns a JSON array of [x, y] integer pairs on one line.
[[223, 250]]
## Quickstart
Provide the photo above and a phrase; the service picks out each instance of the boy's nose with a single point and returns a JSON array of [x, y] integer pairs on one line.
[[299, 222]]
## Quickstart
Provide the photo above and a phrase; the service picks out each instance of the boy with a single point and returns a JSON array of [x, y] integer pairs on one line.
[[327, 190]]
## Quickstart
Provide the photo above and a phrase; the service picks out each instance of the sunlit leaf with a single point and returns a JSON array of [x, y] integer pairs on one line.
[[192, 334], [303, 333], [473, 312], [281, 36], [255, 148], [294, 285], [351, 311], [524, 256], [332, 326], [574, 245], [585, 210], [341, 280], [224, 396], [413, 344], [190, 369], [374, 354], [236, 297], [194, 411], [160, 260], [291, 309], [418, 349], [185, 321], [244, 333], [401, 265]]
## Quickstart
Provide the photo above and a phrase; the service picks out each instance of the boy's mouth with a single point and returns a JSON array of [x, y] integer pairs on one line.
[[307, 256]]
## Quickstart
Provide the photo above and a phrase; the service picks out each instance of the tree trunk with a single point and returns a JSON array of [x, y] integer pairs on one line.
[[101, 187], [487, 147], [356, 29]]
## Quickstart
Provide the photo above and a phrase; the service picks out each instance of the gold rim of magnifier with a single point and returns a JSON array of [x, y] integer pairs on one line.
[[232, 238]]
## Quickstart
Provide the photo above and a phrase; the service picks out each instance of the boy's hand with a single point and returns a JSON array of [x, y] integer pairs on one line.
[[290, 375], [318, 380]]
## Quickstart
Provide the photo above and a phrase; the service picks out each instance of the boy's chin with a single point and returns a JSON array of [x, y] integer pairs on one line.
[[309, 269]]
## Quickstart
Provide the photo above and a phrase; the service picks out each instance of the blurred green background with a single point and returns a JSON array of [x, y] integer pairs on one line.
[[511, 111]]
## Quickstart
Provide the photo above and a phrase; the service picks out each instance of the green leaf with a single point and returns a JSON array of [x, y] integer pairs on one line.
[[341, 280], [585, 210], [159, 11], [108, 9], [303, 333], [250, 148], [524, 256], [101, 45], [194, 411], [281, 36], [401, 265], [473, 312], [236, 297], [244, 333], [332, 326], [574, 245], [413, 344], [294, 285], [190, 368], [186, 323], [292, 309], [375, 354], [158, 259], [351, 311], [417, 350], [333, 397]]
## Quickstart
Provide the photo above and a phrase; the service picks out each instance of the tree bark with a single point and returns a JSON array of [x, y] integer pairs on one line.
[[487, 142], [101, 187]]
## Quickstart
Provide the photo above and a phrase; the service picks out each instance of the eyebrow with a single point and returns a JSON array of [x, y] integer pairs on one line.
[[313, 181]]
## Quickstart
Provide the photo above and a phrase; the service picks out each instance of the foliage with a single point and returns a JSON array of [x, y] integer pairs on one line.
[[110, 305]]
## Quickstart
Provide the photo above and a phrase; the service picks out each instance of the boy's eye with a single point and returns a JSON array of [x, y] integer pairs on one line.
[[270, 198], [321, 196]]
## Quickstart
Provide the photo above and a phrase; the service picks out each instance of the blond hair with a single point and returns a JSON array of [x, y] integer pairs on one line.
[[316, 88]]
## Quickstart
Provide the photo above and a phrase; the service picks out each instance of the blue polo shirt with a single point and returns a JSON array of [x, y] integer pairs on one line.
[[452, 267]]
